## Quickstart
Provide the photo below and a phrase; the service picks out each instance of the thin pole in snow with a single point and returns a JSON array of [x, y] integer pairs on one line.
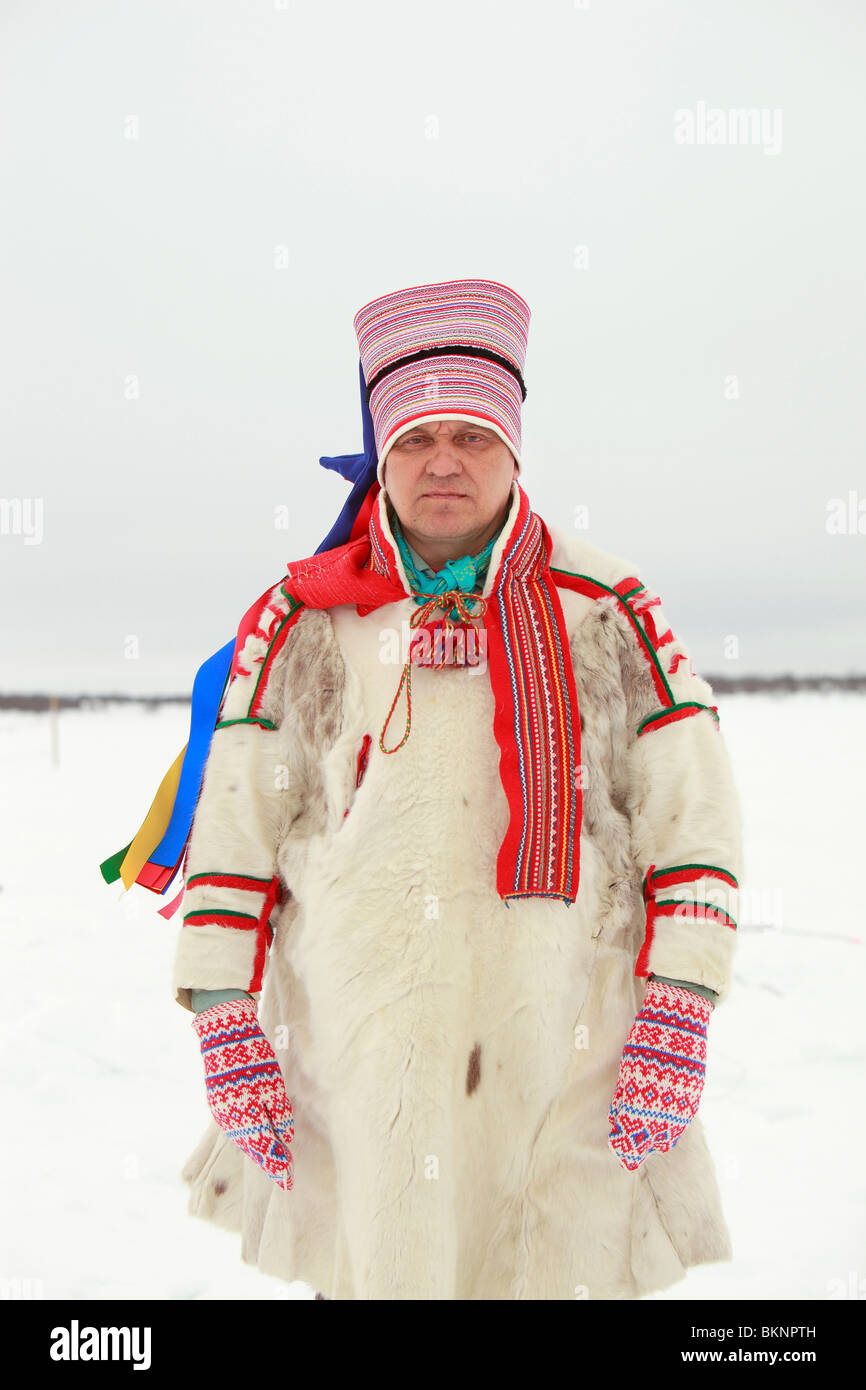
[[55, 733]]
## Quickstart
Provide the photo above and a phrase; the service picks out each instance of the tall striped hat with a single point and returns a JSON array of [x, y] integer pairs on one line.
[[448, 351]]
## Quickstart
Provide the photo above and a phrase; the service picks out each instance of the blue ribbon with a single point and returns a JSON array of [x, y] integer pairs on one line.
[[207, 692]]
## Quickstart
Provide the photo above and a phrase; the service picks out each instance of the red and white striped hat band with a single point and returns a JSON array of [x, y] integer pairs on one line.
[[404, 340]]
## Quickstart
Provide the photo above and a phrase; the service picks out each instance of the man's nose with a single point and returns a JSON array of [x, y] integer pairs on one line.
[[444, 458]]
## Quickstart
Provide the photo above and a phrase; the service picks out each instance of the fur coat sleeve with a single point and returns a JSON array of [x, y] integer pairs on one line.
[[248, 791], [682, 801]]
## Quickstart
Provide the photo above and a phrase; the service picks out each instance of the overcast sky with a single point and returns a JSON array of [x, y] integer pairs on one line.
[[197, 198]]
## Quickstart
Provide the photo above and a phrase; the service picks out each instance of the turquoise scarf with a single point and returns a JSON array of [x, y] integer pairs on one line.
[[464, 574]]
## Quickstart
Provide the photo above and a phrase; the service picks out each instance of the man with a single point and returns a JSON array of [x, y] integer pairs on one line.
[[485, 887]]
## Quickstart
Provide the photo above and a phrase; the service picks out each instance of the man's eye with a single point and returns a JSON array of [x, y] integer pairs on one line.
[[422, 439]]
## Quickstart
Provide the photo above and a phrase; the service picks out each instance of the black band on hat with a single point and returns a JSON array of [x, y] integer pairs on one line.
[[457, 350]]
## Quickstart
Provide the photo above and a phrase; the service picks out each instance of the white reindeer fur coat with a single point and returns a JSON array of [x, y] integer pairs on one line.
[[451, 1060]]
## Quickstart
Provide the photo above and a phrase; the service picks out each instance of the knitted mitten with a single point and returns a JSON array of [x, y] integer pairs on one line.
[[245, 1089], [661, 1074]]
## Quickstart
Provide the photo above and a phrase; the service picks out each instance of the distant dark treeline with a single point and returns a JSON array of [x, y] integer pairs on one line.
[[722, 685]]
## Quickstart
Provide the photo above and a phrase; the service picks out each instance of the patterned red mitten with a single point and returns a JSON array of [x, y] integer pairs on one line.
[[245, 1089], [661, 1075]]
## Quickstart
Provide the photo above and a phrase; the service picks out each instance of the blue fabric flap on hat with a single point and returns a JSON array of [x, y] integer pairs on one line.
[[359, 469]]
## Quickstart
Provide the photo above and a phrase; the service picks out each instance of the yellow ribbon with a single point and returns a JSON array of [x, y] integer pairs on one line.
[[154, 825]]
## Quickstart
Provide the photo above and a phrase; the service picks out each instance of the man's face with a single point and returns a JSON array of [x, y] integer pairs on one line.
[[449, 480]]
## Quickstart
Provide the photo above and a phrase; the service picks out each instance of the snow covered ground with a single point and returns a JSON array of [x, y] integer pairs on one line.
[[102, 1090]]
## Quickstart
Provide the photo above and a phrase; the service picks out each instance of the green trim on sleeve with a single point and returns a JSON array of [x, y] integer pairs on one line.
[[264, 723], [220, 912], [227, 873], [682, 704], [678, 868]]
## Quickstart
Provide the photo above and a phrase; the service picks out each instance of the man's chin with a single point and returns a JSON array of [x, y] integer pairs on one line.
[[442, 523]]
